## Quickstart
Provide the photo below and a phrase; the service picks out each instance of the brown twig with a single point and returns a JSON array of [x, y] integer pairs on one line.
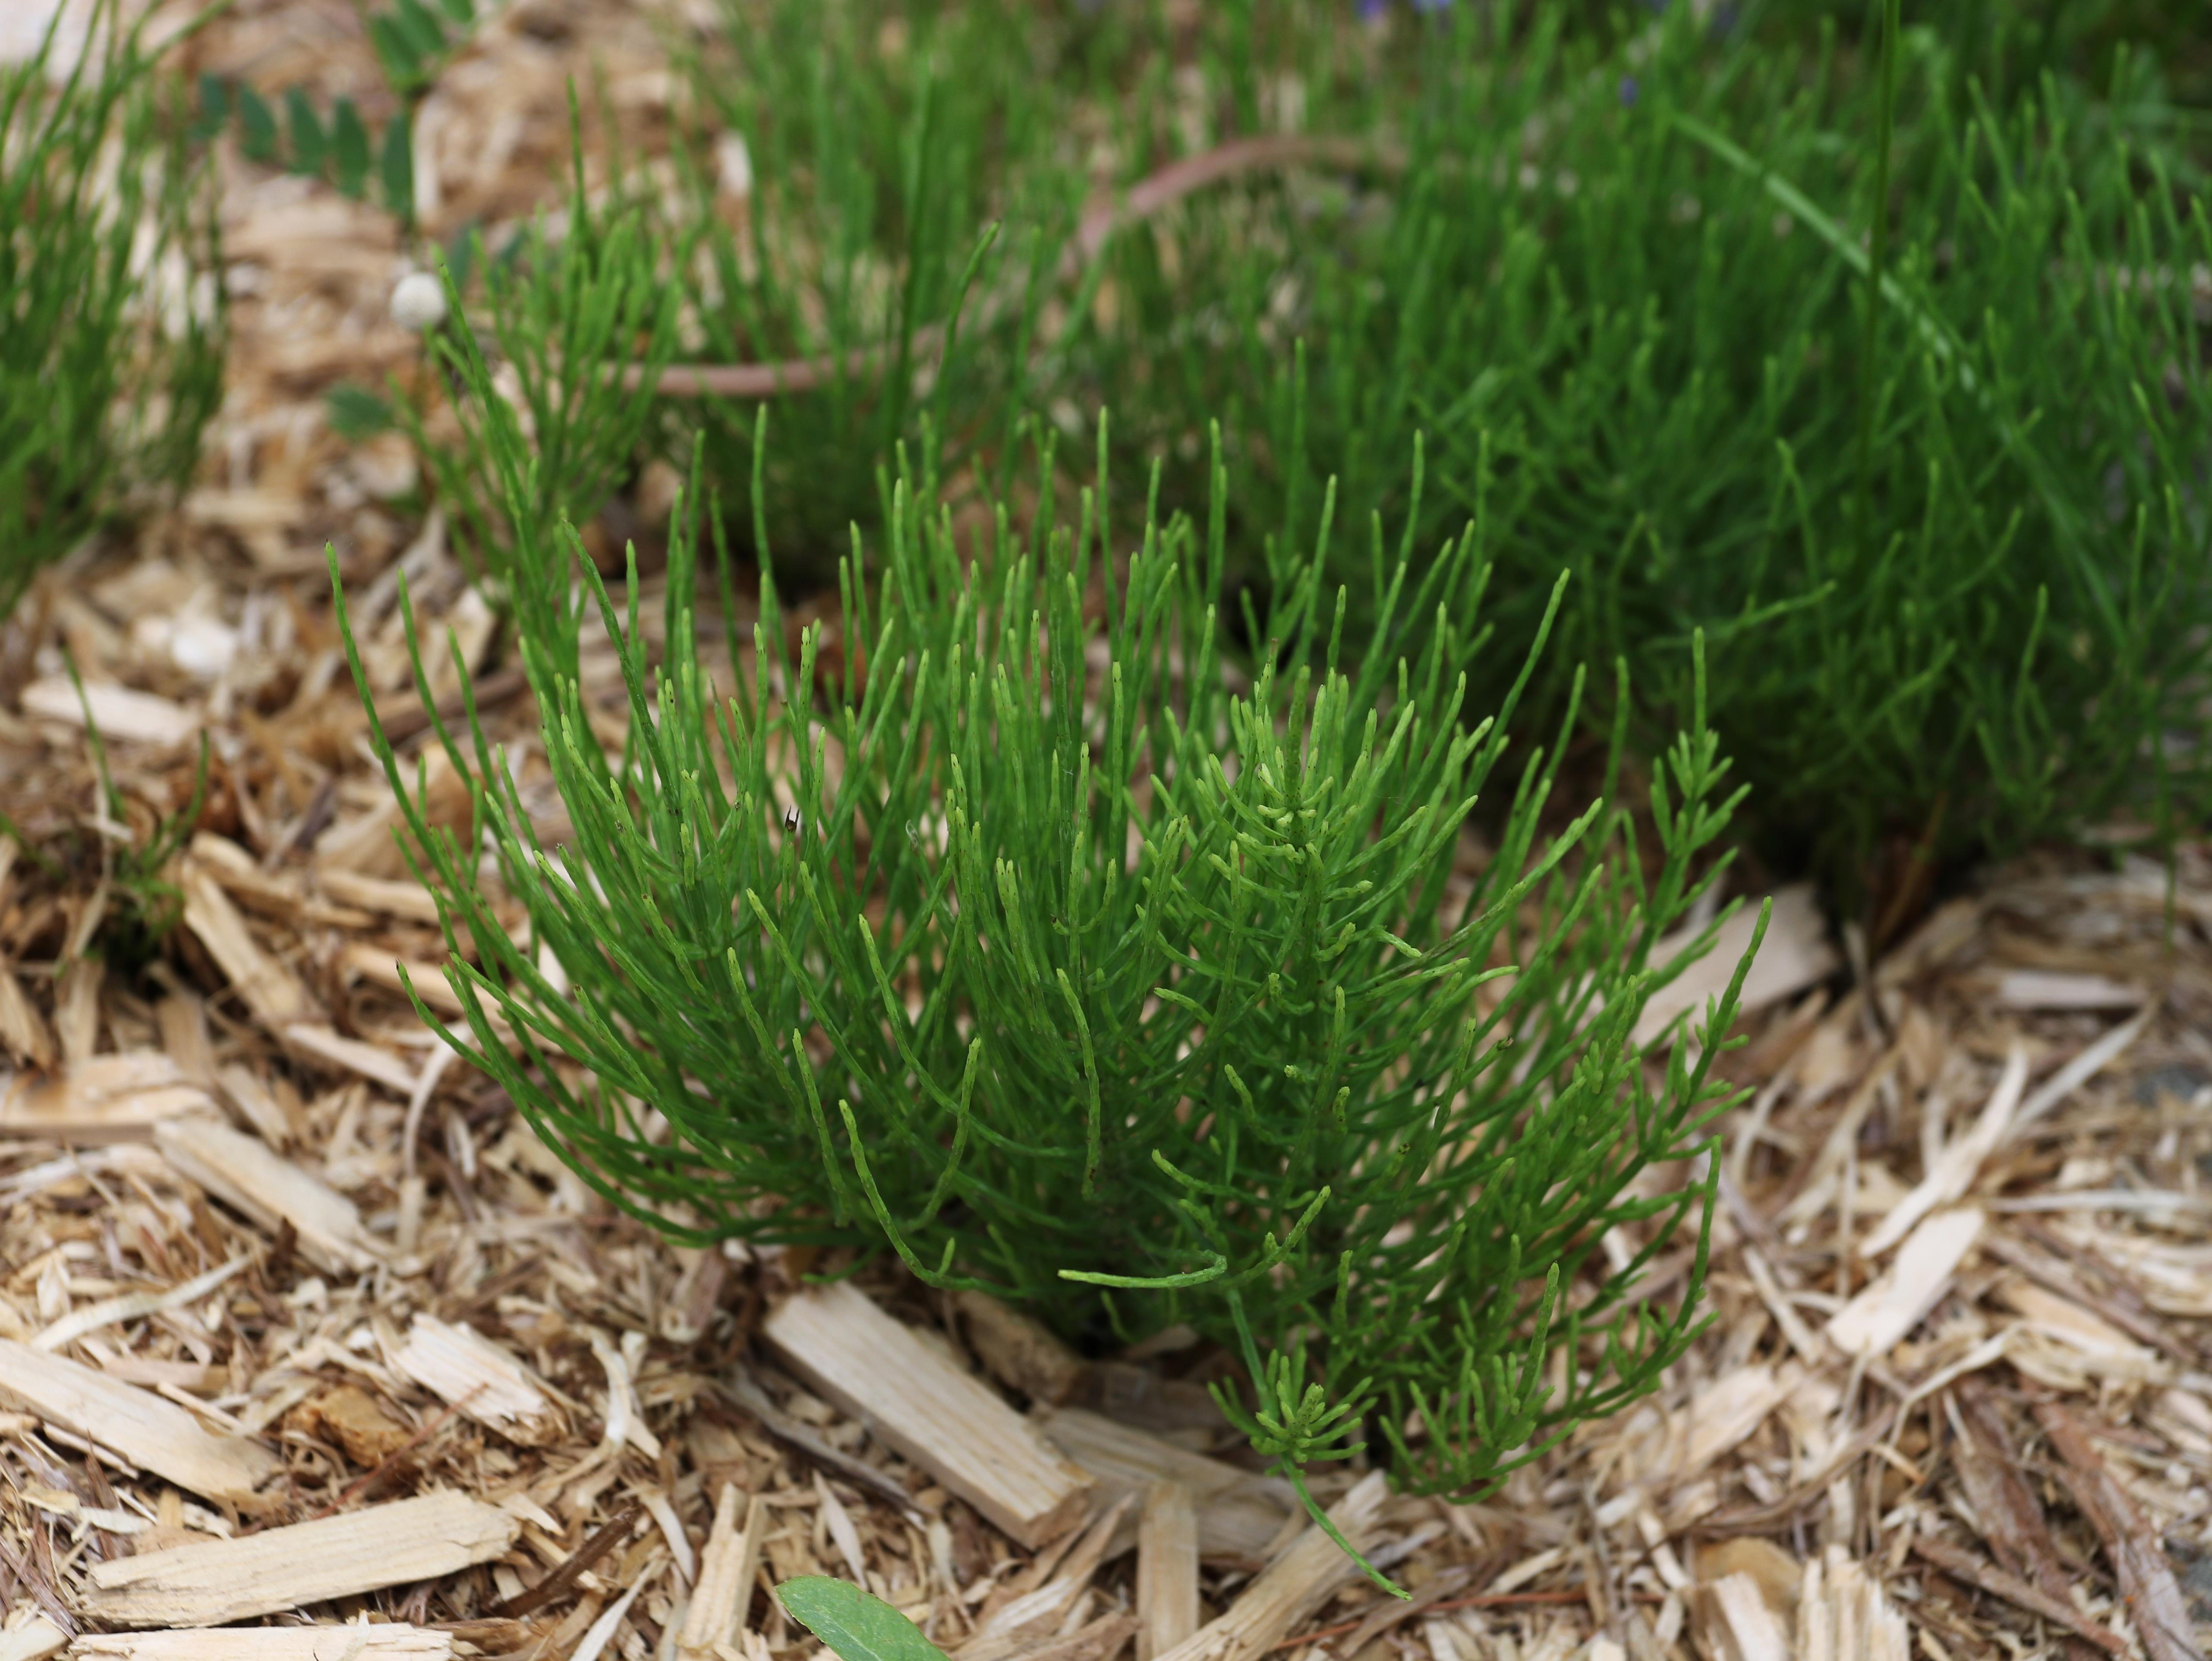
[[2153, 1599], [601, 1541], [1964, 1566], [1147, 197], [2005, 1504], [740, 1390]]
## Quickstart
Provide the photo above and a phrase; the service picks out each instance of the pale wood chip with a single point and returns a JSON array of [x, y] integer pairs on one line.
[[2094, 1336], [253, 1102], [223, 1580], [280, 894], [724, 1589], [1167, 1569], [1875, 1321], [1239, 1513], [328, 1045], [1842, 1614], [2039, 988], [245, 1173], [405, 899], [270, 990], [380, 968], [1098, 1641], [1778, 1575], [1732, 1621], [461, 1366], [1294, 1585], [182, 1019], [124, 716], [1721, 1415], [2079, 1071], [102, 1098], [153, 1433], [1011, 1628], [131, 1307], [27, 1635], [1955, 1170], [24, 1033], [1021, 1352], [917, 1402], [358, 1643], [1795, 954]]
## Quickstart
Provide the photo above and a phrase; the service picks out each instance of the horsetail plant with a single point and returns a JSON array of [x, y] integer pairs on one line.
[[1036, 943], [111, 361], [566, 315]]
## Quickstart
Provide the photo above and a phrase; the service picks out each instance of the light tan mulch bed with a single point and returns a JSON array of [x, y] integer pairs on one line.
[[268, 1262]]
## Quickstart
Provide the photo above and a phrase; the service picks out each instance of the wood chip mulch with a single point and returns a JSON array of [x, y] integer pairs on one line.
[[300, 1327]]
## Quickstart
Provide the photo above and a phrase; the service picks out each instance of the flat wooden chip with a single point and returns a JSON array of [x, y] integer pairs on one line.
[[102, 1098], [357, 1643], [1240, 1512], [158, 1435], [246, 1173], [488, 1385], [122, 713], [914, 1398], [204, 1586], [1294, 1585]]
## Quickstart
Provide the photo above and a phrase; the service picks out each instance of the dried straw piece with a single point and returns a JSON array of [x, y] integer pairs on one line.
[[1964, 1566], [2154, 1597]]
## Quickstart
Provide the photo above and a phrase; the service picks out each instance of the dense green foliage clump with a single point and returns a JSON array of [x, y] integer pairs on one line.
[[599, 295], [1036, 944], [111, 336], [1943, 523]]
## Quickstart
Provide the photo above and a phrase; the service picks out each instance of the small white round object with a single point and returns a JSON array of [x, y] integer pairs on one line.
[[419, 301]]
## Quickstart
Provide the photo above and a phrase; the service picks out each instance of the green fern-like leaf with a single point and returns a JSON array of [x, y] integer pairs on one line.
[[350, 148], [310, 143], [395, 166], [413, 44], [256, 126]]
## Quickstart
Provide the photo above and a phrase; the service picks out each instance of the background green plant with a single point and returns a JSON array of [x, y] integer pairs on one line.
[[111, 358], [568, 315], [1620, 266], [1640, 299], [1113, 989], [879, 160]]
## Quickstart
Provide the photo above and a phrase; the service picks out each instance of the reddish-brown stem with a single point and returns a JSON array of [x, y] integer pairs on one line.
[[1147, 197]]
